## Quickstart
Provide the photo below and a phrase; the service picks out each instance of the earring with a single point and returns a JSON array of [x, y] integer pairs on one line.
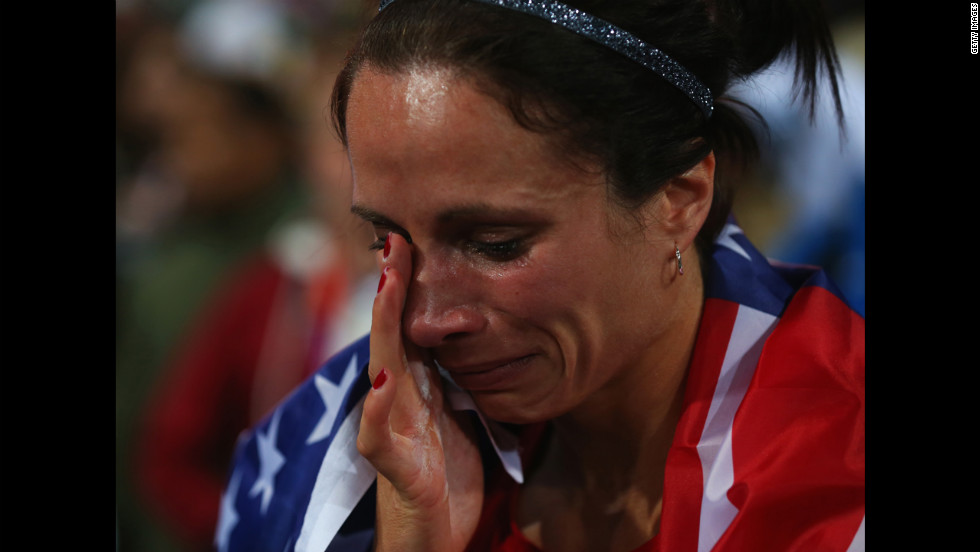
[[677, 253]]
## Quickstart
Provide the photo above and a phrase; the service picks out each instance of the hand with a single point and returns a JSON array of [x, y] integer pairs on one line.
[[430, 477]]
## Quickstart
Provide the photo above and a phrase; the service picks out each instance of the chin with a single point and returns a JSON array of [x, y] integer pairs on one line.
[[510, 408]]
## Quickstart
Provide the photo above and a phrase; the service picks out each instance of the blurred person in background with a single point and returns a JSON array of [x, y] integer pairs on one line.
[[274, 320], [228, 287], [218, 175]]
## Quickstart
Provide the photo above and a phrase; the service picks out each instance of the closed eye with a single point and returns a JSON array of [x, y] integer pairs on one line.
[[499, 251]]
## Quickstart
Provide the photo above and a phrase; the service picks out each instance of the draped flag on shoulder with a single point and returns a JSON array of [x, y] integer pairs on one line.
[[769, 452]]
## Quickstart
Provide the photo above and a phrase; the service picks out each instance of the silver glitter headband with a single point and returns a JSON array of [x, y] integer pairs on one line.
[[612, 37]]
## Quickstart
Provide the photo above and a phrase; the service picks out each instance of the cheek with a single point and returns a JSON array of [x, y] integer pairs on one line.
[[582, 306], [543, 293], [524, 289]]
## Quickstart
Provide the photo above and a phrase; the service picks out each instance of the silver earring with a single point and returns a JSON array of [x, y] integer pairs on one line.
[[677, 253]]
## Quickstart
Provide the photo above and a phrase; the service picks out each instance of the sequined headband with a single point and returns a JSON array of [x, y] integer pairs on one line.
[[612, 37]]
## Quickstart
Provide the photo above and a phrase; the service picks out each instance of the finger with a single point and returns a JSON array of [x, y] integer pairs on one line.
[[387, 348], [398, 260], [394, 455], [397, 254], [374, 439]]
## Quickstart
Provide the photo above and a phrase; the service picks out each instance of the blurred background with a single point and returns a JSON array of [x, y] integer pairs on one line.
[[805, 202], [239, 268]]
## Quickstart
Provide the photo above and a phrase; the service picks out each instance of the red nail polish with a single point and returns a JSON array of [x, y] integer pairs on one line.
[[384, 276], [387, 245], [380, 379]]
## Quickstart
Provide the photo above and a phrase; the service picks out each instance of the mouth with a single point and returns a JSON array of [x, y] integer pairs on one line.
[[489, 376]]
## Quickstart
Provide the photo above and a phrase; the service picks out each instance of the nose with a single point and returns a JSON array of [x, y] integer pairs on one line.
[[439, 307]]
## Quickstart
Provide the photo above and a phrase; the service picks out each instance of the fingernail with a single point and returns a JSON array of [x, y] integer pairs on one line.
[[387, 245], [381, 379], [384, 276]]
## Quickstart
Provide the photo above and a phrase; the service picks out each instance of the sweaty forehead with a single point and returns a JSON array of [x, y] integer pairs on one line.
[[423, 102], [431, 118], [424, 93]]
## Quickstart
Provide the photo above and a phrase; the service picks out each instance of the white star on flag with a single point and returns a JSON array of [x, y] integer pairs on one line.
[[725, 239], [229, 517], [331, 394], [270, 462]]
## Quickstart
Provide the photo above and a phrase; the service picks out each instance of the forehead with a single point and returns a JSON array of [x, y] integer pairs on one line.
[[428, 128], [426, 108]]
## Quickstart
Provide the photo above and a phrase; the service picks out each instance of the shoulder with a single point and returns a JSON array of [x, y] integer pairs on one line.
[[798, 436], [787, 332], [776, 406], [820, 330]]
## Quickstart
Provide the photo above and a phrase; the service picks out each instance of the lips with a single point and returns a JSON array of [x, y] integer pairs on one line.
[[489, 376]]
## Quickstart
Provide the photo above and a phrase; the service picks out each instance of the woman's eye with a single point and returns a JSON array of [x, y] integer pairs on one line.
[[499, 250], [377, 245]]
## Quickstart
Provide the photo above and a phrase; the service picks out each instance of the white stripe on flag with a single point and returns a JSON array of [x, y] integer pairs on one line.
[[857, 545], [343, 479], [749, 333]]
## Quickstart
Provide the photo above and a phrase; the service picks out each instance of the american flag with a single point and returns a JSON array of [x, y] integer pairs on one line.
[[768, 454]]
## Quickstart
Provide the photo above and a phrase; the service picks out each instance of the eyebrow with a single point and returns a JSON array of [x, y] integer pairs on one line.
[[477, 211], [377, 219], [372, 216], [471, 211]]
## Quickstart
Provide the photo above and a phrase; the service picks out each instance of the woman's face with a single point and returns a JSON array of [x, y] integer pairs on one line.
[[528, 285]]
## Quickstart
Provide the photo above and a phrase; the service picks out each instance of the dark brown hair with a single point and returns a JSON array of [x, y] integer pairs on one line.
[[598, 103]]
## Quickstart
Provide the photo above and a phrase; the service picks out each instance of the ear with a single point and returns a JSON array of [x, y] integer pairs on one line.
[[686, 201]]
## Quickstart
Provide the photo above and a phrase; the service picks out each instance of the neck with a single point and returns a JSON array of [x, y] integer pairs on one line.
[[613, 448], [602, 475]]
